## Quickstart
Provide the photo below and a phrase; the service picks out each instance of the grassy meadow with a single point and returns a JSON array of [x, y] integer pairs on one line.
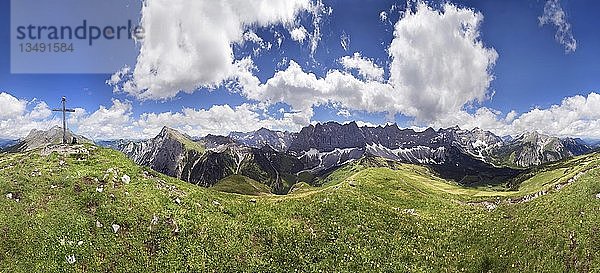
[[94, 210]]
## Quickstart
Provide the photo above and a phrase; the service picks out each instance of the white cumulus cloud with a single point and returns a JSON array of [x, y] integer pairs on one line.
[[439, 63], [119, 122], [114, 122], [383, 16], [16, 121], [217, 120], [303, 90]]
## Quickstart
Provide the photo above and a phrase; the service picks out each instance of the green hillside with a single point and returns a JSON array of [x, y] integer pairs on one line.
[[58, 211], [241, 185]]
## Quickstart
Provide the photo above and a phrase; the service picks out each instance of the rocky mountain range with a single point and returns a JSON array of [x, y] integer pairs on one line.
[[279, 141], [208, 160], [282, 159]]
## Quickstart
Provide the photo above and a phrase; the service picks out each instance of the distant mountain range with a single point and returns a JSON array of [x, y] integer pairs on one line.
[[281, 159]]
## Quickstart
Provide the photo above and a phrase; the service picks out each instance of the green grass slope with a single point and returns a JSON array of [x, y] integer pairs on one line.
[[241, 185], [366, 218]]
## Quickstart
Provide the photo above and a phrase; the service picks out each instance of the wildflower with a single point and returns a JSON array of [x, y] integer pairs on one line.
[[71, 259], [115, 227], [126, 179]]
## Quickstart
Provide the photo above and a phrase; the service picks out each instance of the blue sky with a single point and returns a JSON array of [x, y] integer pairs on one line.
[[532, 69]]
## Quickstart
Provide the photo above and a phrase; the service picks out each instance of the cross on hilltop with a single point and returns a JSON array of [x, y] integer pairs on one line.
[[64, 111]]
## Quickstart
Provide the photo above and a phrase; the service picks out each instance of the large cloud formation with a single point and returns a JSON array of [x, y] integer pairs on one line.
[[366, 67], [575, 116], [438, 62], [438, 65], [188, 44], [117, 121]]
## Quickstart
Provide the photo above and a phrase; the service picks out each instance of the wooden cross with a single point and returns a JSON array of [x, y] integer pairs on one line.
[[64, 111]]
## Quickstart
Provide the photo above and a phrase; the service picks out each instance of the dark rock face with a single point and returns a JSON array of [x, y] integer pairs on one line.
[[213, 142], [327, 137], [425, 147], [467, 170], [576, 146], [206, 170]]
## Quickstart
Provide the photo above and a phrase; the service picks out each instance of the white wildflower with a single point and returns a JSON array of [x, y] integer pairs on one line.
[[71, 259], [126, 179]]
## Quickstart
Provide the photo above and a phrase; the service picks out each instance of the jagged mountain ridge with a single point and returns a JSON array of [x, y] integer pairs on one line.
[[426, 147], [532, 148], [328, 141], [279, 141], [208, 160], [453, 153], [280, 159]]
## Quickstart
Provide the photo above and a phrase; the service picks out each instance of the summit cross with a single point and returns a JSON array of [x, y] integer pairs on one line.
[[64, 111]]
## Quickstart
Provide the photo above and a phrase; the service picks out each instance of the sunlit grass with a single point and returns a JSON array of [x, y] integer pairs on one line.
[[365, 218]]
